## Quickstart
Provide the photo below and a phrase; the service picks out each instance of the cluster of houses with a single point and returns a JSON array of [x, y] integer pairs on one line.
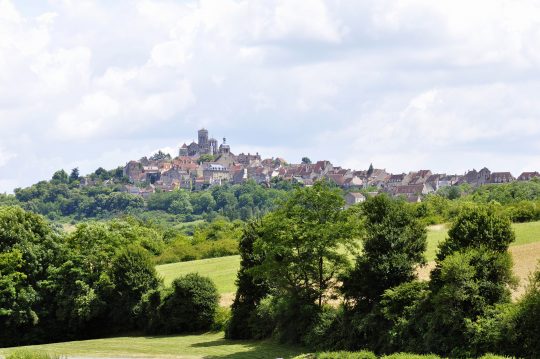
[[203, 164]]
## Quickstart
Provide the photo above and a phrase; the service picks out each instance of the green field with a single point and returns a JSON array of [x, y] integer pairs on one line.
[[223, 270], [209, 345], [525, 233]]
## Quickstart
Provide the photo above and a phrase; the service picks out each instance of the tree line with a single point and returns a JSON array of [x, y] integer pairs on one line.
[[297, 282], [96, 281], [63, 198]]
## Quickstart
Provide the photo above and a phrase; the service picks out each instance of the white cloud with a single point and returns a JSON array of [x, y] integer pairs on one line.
[[5, 157], [408, 84]]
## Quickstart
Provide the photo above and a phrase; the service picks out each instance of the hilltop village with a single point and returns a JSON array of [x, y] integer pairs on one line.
[[203, 164]]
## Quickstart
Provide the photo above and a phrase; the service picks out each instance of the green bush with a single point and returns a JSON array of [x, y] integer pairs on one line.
[[520, 328], [221, 319], [190, 305], [493, 356], [27, 354], [410, 356], [262, 322], [327, 331], [346, 355]]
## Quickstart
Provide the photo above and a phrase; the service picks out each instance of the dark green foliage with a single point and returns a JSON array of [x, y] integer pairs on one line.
[[132, 275], [188, 306], [28, 249], [327, 331], [370, 170], [394, 245], [175, 202], [74, 176], [399, 307], [518, 325], [250, 290], [475, 227], [472, 276], [262, 321], [160, 156], [60, 177]]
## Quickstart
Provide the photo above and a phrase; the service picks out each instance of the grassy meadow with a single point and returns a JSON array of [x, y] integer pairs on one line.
[[223, 270], [208, 345]]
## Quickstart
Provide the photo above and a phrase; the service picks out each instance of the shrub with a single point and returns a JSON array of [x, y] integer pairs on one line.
[[520, 327], [410, 356], [262, 321], [346, 355], [221, 319], [190, 305], [327, 331]]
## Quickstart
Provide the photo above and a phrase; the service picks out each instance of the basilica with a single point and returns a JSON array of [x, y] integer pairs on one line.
[[204, 146]]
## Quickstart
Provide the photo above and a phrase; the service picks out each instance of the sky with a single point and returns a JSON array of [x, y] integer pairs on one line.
[[405, 85]]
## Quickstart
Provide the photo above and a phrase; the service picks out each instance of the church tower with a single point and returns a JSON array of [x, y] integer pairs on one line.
[[203, 138]]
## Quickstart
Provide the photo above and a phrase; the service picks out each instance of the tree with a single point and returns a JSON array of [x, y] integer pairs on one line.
[[476, 227], [28, 250], [454, 192], [301, 244], [250, 290], [102, 174], [306, 160], [74, 176], [60, 177], [133, 274], [202, 202], [370, 170], [394, 246], [472, 275], [205, 158], [160, 156]]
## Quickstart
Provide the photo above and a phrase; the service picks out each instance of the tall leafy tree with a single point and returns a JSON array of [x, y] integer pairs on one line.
[[74, 175], [473, 274], [28, 249], [394, 246], [250, 290], [132, 274], [302, 244]]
